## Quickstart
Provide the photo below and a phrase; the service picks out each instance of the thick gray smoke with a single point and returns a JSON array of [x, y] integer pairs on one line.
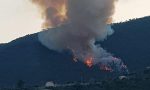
[[87, 21]]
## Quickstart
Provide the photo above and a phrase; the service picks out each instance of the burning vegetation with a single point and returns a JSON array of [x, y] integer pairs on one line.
[[89, 62]]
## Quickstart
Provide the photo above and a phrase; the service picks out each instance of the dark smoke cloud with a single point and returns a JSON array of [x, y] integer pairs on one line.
[[52, 11]]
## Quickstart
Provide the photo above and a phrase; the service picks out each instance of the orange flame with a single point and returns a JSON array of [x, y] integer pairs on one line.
[[89, 62]]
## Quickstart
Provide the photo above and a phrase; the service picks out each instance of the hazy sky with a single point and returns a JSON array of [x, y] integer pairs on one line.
[[20, 17]]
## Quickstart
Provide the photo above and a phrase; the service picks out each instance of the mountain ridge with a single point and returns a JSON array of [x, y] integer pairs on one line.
[[26, 59]]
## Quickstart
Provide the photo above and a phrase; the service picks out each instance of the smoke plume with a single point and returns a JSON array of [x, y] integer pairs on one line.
[[52, 11], [76, 25]]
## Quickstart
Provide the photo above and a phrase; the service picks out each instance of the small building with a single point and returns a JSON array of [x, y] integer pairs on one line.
[[50, 84], [123, 77]]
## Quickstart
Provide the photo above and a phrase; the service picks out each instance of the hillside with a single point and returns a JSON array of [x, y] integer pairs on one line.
[[26, 59], [131, 43]]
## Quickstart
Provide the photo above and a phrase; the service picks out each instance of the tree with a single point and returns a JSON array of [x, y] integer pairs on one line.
[[20, 84]]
